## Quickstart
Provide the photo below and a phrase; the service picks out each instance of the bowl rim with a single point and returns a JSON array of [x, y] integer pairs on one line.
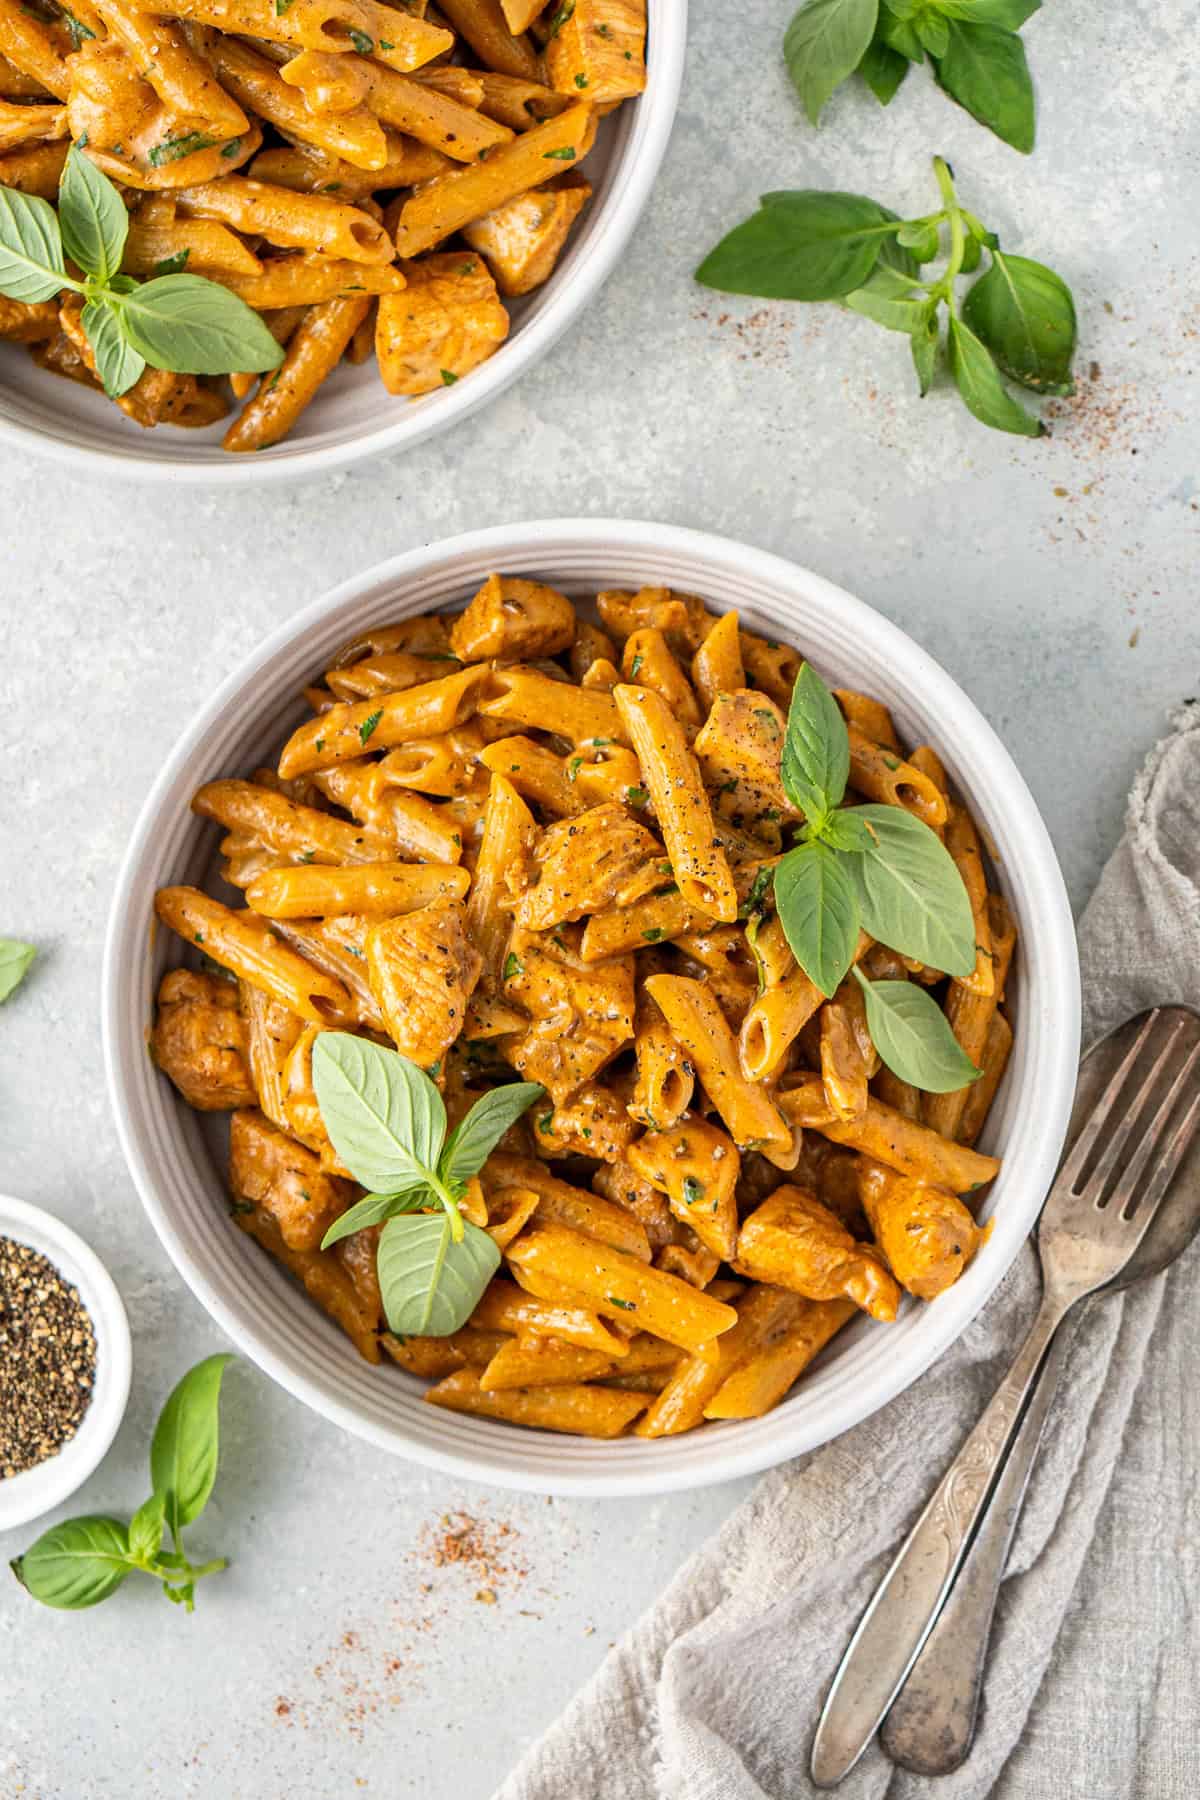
[[1059, 1003], [37, 1491], [614, 227]]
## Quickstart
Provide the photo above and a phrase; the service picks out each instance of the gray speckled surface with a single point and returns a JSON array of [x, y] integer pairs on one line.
[[1053, 579]]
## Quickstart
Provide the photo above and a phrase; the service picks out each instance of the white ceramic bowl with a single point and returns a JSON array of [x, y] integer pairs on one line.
[[181, 1182], [353, 416], [29, 1495]]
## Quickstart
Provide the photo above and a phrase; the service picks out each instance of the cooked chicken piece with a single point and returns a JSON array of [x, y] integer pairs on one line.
[[447, 320], [200, 1041], [792, 1241], [581, 1013], [423, 969], [588, 863], [514, 620], [323, 1278], [696, 1165], [742, 741], [523, 239], [926, 1233], [599, 50], [282, 1178]]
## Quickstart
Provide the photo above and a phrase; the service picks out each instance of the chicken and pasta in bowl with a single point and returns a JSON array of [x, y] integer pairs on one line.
[[609, 1014]]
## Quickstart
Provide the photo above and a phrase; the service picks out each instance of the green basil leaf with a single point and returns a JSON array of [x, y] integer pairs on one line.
[[825, 42], [912, 1034], [910, 894], [16, 960], [373, 1209], [985, 70], [1024, 314], [31, 252], [921, 237], [802, 245], [896, 302], [183, 1451], [430, 1284], [883, 69], [118, 364], [901, 35], [971, 254], [979, 383], [818, 909], [146, 1528], [926, 345], [933, 31], [384, 1116], [75, 1564], [475, 1137], [1010, 15], [815, 765], [92, 217], [196, 327], [844, 831]]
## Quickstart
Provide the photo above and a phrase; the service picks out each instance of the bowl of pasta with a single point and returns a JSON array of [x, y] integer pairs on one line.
[[415, 202], [498, 1105]]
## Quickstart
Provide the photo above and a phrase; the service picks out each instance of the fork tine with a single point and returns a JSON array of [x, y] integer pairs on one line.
[[1085, 1142], [1143, 1205], [1125, 1193], [1131, 1120]]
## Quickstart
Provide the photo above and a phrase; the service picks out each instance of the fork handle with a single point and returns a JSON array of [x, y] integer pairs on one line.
[[931, 1725], [902, 1613]]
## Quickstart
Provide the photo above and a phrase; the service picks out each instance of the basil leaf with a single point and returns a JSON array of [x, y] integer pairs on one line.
[[91, 216], [844, 831], [825, 42], [802, 245], [1009, 14], [883, 69], [183, 1451], [818, 909], [146, 1528], [75, 1564], [896, 302], [31, 252], [384, 1116], [912, 1034], [933, 31], [926, 344], [373, 1209], [117, 362], [985, 70], [196, 327], [475, 1137], [901, 35], [971, 254], [430, 1284], [910, 894], [1024, 314], [921, 237], [16, 960], [979, 383], [815, 765]]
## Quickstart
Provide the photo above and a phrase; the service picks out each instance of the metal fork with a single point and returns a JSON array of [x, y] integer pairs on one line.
[[1098, 1210]]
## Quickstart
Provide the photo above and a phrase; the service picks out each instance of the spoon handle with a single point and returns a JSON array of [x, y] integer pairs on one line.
[[901, 1615], [931, 1725]]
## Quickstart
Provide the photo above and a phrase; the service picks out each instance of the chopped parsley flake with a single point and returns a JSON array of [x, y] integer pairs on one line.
[[635, 665], [693, 1190], [546, 1122], [172, 149], [320, 745], [171, 265], [581, 81], [566, 154], [512, 966], [637, 796], [625, 1305], [448, 377], [368, 725], [573, 767], [560, 18], [231, 148], [434, 1069], [891, 762], [654, 935], [362, 43], [78, 30], [385, 45], [768, 718]]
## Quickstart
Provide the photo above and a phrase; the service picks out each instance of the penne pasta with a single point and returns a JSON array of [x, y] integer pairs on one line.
[[672, 777]]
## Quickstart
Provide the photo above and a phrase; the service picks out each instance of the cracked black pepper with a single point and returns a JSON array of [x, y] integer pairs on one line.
[[47, 1359]]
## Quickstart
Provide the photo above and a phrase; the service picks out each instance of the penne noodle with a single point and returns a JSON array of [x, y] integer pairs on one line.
[[295, 221], [246, 945], [345, 730], [301, 832], [381, 888], [904, 1144], [766, 1375], [751, 1117], [580, 1410], [313, 352], [676, 788]]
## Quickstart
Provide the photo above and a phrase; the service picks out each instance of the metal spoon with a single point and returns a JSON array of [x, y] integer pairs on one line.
[[1098, 1210], [932, 1722]]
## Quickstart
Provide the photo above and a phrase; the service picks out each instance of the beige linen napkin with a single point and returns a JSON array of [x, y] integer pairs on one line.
[[1091, 1685]]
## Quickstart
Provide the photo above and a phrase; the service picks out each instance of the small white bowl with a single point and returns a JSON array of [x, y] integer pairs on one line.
[[34, 1492], [179, 1166], [353, 415]]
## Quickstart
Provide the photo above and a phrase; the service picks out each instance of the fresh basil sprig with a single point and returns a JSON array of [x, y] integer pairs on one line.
[[972, 45], [876, 869], [16, 960], [184, 323], [83, 1561], [387, 1123], [1016, 321]]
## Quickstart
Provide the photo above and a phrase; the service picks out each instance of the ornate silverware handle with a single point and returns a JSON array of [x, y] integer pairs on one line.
[[906, 1604], [931, 1725]]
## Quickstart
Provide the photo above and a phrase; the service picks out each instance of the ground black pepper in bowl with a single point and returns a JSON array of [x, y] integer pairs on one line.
[[47, 1358]]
